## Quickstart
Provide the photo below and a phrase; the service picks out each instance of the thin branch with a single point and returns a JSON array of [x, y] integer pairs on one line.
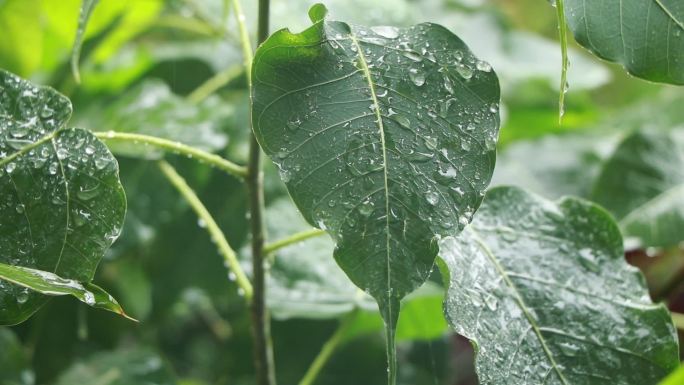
[[213, 229], [178, 148], [292, 239], [214, 83], [261, 327], [328, 349], [563, 36]]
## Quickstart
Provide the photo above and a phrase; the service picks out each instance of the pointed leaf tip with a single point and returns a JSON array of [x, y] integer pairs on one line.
[[317, 12]]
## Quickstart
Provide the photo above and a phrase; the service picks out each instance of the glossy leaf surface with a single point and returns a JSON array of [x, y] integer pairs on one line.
[[642, 183], [543, 290], [62, 204], [645, 36], [384, 137], [50, 284]]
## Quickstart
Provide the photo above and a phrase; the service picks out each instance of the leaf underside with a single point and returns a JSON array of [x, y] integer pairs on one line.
[[62, 203], [384, 137], [645, 36], [543, 291]]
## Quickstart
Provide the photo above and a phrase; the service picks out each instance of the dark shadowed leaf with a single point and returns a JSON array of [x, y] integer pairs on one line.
[[384, 137], [642, 184], [645, 36], [14, 363], [62, 204], [120, 367], [543, 290]]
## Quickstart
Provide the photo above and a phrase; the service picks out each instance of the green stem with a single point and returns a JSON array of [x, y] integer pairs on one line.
[[214, 83], [176, 147], [328, 349], [563, 36], [292, 239], [213, 229], [261, 327]]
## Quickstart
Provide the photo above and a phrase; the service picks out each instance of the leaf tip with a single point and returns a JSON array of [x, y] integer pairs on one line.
[[317, 12]]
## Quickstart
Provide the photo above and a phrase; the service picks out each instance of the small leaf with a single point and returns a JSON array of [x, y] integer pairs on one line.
[[642, 184], [645, 36], [384, 136], [87, 8], [62, 203], [51, 284], [676, 378], [543, 290]]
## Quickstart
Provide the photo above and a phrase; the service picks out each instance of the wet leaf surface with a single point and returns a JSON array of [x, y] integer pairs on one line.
[[384, 137], [642, 184], [543, 290], [645, 36], [62, 204]]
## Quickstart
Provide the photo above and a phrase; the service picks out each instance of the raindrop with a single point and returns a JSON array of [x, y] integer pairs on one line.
[[62, 153], [89, 150], [285, 175], [491, 302], [413, 55], [417, 76], [387, 32], [22, 296], [366, 208], [483, 66], [52, 168], [431, 142], [432, 197], [201, 223], [465, 71], [10, 167], [20, 208]]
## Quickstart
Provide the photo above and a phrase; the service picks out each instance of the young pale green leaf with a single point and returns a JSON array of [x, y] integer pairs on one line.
[[87, 8], [543, 290], [62, 204], [384, 137], [642, 183], [645, 36], [51, 284], [676, 378]]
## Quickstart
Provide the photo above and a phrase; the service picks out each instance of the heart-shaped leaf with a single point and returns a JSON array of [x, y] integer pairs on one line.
[[62, 204], [384, 136], [645, 36], [642, 184], [543, 290]]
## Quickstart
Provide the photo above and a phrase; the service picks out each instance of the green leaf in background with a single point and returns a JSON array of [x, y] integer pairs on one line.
[[152, 109], [385, 137], [676, 378], [14, 363], [645, 36], [120, 367], [48, 283], [543, 291], [642, 184], [62, 202]]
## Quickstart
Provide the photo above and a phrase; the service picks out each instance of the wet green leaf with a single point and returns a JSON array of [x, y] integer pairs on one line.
[[543, 290], [120, 367], [676, 378], [642, 184], [384, 137], [62, 204], [87, 7], [152, 109], [51, 284], [645, 36]]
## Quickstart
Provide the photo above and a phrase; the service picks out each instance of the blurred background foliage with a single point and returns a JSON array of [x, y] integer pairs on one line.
[[173, 68]]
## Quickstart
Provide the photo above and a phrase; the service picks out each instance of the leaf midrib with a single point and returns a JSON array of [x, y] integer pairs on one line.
[[381, 130], [518, 298]]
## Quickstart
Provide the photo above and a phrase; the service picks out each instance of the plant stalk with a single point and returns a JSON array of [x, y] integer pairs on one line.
[[292, 239], [261, 328], [563, 37], [215, 232], [328, 349], [176, 147]]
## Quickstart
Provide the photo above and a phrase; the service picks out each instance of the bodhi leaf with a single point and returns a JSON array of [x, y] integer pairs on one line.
[[642, 184], [50, 284], [645, 36], [543, 291], [384, 137], [62, 204]]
